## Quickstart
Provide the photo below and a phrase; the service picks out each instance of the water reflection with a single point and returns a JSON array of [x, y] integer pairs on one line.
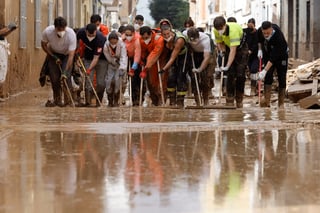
[[173, 172]]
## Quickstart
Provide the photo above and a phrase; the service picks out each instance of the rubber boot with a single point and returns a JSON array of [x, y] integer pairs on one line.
[[229, 101], [267, 96], [180, 101], [100, 96], [110, 99], [281, 95], [253, 91], [116, 99], [172, 98], [239, 99], [88, 97], [205, 96]]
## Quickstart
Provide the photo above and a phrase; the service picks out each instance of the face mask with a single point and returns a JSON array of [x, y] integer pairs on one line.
[[269, 37], [90, 38], [147, 41], [61, 34], [168, 39], [113, 46], [98, 28], [220, 32], [129, 38], [136, 26]]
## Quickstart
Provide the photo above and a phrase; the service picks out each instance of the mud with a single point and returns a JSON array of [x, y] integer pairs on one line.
[[160, 160]]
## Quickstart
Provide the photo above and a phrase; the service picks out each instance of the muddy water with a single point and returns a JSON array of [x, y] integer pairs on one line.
[[157, 160]]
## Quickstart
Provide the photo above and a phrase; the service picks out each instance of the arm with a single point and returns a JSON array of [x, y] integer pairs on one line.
[[232, 54], [155, 53], [205, 61], [137, 51], [123, 57], [177, 47], [70, 60]]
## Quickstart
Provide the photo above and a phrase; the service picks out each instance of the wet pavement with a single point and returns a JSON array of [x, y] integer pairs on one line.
[[157, 160]]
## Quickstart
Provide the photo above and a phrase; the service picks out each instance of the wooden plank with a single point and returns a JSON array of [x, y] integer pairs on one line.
[[311, 102], [314, 86]]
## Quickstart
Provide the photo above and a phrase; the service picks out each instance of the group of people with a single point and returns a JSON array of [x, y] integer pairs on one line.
[[161, 60], [262, 51]]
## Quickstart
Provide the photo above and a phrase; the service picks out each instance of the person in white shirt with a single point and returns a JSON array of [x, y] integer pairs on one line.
[[60, 43], [204, 63]]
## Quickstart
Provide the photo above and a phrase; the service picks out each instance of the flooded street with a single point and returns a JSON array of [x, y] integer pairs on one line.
[[141, 160]]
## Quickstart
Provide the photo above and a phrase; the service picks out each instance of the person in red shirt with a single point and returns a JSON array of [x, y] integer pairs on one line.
[[152, 46], [132, 42]]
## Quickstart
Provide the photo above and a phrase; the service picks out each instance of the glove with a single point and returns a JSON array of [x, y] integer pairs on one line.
[[121, 72], [221, 53], [88, 71], [131, 72], [224, 69], [161, 71], [64, 75], [260, 54], [134, 66], [196, 70], [12, 26], [143, 74], [262, 74], [57, 59]]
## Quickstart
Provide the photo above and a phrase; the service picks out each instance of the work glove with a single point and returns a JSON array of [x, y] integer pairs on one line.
[[64, 75], [224, 69], [131, 72], [221, 54], [121, 72], [161, 71], [196, 70], [143, 74], [134, 66], [262, 75], [12, 26], [57, 59], [88, 71], [260, 54]]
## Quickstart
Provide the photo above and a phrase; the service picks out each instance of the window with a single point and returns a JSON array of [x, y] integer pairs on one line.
[[37, 24], [308, 26], [23, 24]]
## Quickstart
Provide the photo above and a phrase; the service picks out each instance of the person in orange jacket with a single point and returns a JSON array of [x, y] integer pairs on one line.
[[152, 45], [132, 42]]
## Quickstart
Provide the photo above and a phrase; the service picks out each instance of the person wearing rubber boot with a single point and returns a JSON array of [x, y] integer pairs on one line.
[[95, 62], [230, 39], [176, 44], [275, 47], [253, 62], [116, 54], [152, 46], [132, 41], [60, 43], [204, 63]]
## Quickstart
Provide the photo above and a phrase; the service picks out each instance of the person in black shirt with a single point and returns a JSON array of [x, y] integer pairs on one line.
[[253, 61], [275, 56], [91, 43]]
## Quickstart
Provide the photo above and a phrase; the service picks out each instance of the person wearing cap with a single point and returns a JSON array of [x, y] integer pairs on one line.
[[152, 51], [132, 42], [116, 55], [274, 44], [204, 64], [94, 61], [230, 40], [176, 44], [253, 61]]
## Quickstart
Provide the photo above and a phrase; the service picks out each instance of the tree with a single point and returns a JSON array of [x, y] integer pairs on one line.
[[177, 11]]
